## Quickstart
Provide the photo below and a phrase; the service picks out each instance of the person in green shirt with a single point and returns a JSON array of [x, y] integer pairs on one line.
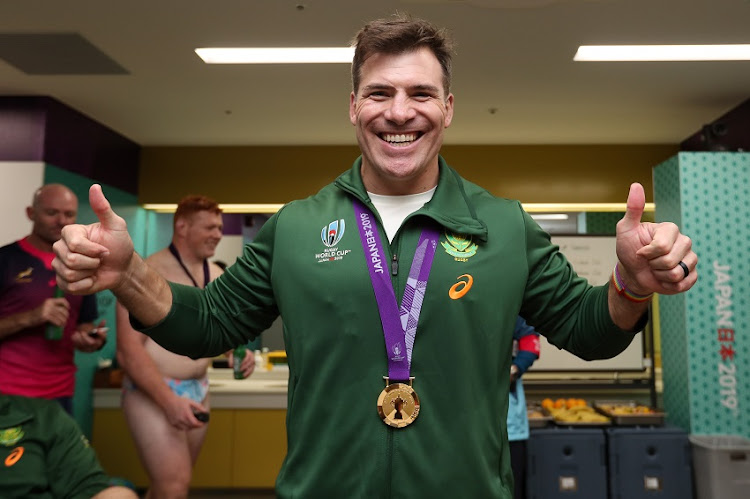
[[43, 454], [399, 269]]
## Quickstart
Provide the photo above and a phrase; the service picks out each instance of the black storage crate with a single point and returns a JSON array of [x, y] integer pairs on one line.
[[567, 463], [649, 462]]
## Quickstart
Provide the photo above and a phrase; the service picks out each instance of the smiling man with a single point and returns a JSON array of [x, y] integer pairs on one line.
[[399, 285]]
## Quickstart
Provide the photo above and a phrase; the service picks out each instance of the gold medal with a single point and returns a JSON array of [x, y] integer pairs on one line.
[[398, 404]]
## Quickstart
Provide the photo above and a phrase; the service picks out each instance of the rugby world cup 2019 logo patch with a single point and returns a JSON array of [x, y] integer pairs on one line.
[[333, 232], [331, 236], [459, 246]]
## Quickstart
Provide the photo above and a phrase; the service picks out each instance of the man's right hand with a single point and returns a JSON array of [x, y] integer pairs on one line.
[[90, 258], [52, 310], [181, 411]]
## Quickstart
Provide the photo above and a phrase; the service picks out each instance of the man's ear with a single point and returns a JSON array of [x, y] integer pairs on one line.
[[448, 111], [353, 108], [180, 226], [30, 213]]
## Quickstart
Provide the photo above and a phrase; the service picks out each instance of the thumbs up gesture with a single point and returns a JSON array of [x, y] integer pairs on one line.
[[90, 258], [654, 257]]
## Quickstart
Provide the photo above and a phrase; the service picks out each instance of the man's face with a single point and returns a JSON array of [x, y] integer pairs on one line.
[[53, 210], [203, 233], [400, 112]]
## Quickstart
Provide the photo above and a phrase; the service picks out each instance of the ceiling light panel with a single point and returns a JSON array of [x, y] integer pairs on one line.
[[280, 55], [735, 52]]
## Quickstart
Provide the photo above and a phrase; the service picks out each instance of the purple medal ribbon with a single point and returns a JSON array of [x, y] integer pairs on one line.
[[399, 325]]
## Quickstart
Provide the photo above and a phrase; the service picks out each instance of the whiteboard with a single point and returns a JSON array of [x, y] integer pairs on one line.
[[593, 257]]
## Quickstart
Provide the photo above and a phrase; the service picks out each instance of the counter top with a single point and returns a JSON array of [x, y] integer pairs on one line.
[[266, 389], [262, 390]]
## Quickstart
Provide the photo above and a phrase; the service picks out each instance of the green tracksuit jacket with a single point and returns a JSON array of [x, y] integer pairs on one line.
[[43, 454], [337, 444]]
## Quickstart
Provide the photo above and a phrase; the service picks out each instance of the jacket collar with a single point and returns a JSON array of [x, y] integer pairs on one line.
[[12, 414], [450, 206]]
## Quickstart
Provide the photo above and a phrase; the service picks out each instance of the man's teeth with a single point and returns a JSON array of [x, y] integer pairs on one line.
[[400, 138]]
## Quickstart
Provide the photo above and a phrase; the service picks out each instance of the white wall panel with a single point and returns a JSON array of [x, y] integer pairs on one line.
[[18, 180]]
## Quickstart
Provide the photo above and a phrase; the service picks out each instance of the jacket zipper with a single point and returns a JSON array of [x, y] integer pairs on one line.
[[389, 463], [391, 433]]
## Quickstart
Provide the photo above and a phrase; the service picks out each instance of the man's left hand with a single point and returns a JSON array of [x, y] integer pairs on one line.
[[650, 253], [247, 366], [90, 339]]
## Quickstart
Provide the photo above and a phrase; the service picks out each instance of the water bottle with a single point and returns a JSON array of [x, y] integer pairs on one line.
[[239, 356], [53, 332]]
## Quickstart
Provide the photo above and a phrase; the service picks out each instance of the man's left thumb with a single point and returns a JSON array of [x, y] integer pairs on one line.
[[635, 206]]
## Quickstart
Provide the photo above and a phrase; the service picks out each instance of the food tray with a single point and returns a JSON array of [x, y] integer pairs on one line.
[[542, 422], [608, 408], [586, 424], [596, 424], [538, 417]]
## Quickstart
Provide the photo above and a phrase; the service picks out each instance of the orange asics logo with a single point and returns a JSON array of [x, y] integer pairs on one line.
[[459, 289], [14, 456]]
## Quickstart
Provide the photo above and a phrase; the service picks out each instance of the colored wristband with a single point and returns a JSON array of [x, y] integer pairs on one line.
[[625, 292]]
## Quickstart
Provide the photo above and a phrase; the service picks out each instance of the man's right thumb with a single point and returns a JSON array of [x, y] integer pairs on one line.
[[102, 208]]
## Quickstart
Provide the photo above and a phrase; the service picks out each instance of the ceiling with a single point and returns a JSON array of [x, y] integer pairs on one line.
[[514, 78]]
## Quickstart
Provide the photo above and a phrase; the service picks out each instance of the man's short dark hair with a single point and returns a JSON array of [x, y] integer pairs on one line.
[[399, 34]]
